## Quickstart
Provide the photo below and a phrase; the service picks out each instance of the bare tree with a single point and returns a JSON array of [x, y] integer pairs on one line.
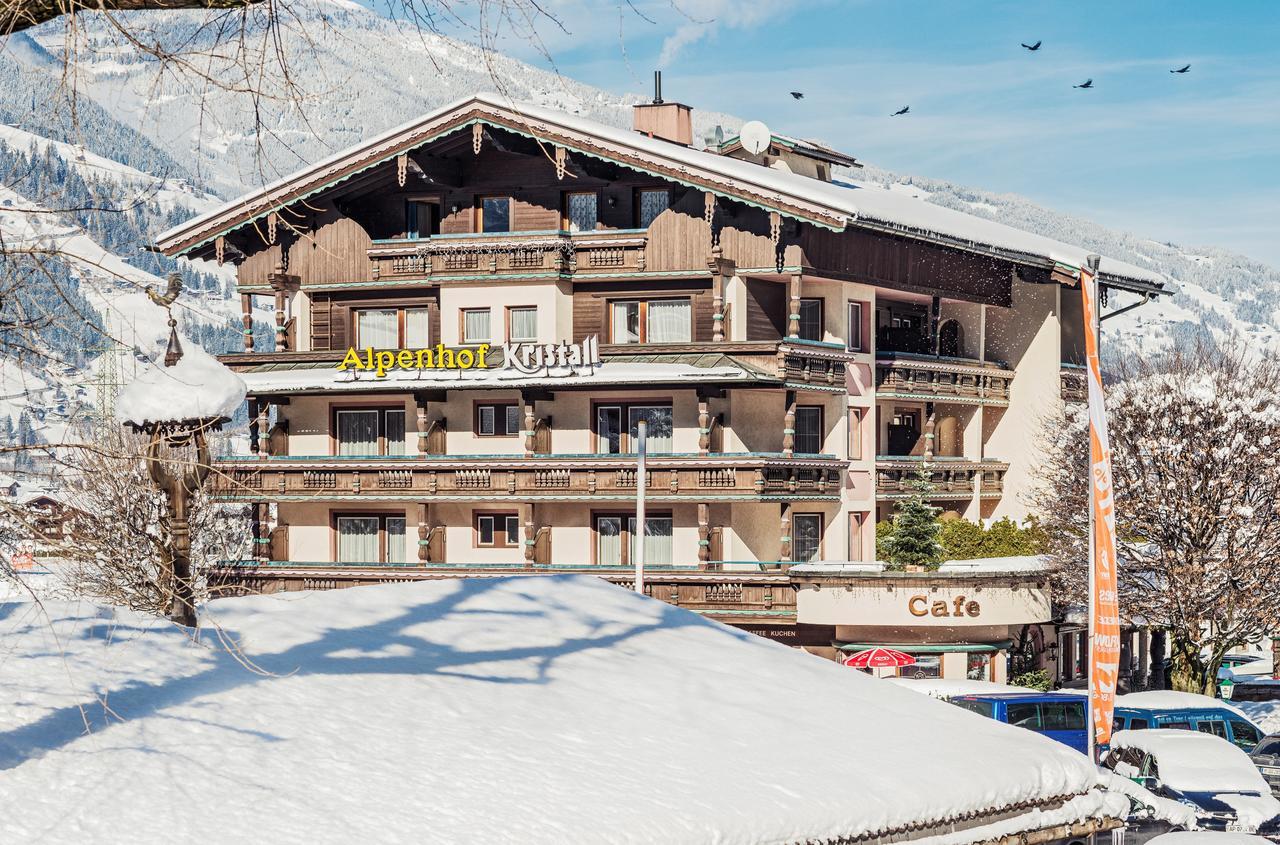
[[113, 536], [1194, 437]]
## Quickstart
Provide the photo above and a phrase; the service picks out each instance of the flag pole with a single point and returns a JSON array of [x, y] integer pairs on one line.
[[1096, 327], [640, 485]]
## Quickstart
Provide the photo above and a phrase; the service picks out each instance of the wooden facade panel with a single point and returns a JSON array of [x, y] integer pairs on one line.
[[591, 300], [326, 248], [679, 238], [766, 309]]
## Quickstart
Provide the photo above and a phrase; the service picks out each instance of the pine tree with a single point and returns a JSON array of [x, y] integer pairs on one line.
[[916, 527]]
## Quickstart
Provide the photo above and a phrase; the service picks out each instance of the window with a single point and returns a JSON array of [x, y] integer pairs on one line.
[[979, 667], [982, 708], [651, 202], [811, 319], [497, 420], [926, 666], [808, 435], [616, 540], [613, 439], [421, 219], [806, 536], [581, 211], [522, 324], [854, 340], [1062, 715], [370, 431], [1212, 726], [371, 538], [1024, 714], [377, 328], [1136, 724], [1244, 734], [855, 434], [651, 321], [393, 328], [495, 214], [497, 530], [475, 325]]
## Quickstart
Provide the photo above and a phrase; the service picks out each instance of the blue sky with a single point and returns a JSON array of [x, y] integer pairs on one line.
[[1192, 158]]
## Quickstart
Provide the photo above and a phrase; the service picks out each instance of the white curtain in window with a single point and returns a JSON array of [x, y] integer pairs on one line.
[[669, 321], [395, 432], [357, 539], [377, 329], [652, 203], [626, 322], [357, 432], [513, 419], [397, 549], [417, 328], [476, 326], [582, 212], [657, 540], [806, 537], [658, 430], [524, 324], [609, 541]]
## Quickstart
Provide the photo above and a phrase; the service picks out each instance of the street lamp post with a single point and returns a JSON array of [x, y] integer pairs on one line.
[[195, 398], [640, 489]]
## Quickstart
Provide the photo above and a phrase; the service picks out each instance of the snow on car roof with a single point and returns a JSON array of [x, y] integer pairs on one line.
[[1191, 761], [1207, 837], [532, 709], [1173, 700], [950, 687]]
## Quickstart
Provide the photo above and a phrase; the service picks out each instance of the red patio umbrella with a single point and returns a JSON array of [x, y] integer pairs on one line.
[[878, 658]]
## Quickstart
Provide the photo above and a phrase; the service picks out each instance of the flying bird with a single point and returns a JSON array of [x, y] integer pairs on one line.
[[902, 110], [1033, 47], [1088, 83], [799, 95], [1182, 69]]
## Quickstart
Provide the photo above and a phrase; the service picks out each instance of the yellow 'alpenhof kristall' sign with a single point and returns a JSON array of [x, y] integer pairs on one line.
[[546, 359], [440, 358]]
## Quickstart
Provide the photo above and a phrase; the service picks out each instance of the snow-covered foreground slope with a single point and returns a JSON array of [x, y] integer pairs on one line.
[[542, 709]]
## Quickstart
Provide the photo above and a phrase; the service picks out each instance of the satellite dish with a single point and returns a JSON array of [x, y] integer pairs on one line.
[[755, 137]]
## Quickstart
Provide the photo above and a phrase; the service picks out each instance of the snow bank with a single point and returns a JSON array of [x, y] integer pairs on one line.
[[1264, 714], [197, 387], [1173, 700], [1015, 563], [536, 709], [1207, 837]]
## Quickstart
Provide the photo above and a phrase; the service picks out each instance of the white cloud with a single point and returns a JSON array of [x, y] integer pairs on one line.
[[705, 17]]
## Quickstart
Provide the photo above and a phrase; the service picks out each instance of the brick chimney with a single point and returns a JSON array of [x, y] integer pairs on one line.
[[669, 121]]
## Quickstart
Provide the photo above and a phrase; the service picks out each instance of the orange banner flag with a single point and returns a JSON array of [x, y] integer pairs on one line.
[[1104, 654]]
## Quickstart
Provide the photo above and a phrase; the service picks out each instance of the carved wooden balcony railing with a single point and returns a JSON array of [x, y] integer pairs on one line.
[[952, 478], [1075, 386], [478, 478], [938, 379], [509, 254], [759, 592]]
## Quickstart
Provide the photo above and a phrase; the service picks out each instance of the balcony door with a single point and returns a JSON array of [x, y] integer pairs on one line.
[[904, 432], [616, 540]]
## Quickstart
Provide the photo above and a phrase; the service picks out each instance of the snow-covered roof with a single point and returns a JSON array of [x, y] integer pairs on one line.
[[531, 709], [1191, 761], [1015, 563], [197, 387], [832, 204]]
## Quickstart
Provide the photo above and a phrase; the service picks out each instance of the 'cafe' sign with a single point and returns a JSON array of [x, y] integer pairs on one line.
[[958, 607]]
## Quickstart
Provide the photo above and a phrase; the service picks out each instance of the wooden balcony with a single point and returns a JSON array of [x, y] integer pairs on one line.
[[1074, 384], [952, 478], [514, 254], [936, 379], [752, 593], [695, 478]]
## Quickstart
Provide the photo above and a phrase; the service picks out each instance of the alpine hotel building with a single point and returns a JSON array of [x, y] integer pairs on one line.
[[797, 347]]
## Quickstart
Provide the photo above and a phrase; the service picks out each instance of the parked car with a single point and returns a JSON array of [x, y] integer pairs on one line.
[[1059, 716], [1204, 837], [1266, 756], [1186, 711], [1202, 771]]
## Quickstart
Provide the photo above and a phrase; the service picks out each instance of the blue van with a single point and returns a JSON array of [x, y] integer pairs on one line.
[[1059, 716], [1188, 712]]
